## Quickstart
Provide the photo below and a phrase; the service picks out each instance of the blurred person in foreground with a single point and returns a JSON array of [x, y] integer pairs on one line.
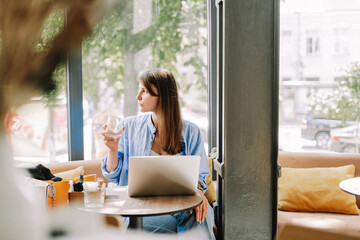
[[160, 131]]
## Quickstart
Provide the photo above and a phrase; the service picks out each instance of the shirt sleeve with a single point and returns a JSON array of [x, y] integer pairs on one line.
[[115, 175], [196, 146]]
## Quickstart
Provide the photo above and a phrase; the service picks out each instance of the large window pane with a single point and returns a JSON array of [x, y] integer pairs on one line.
[[136, 36], [319, 75], [38, 133], [38, 129]]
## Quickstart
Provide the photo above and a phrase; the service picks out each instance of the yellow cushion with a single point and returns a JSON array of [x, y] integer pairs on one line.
[[210, 193], [71, 174], [316, 190]]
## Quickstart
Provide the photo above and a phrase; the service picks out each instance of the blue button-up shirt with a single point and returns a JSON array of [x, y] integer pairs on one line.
[[137, 140]]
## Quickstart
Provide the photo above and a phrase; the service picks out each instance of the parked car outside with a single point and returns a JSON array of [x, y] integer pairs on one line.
[[318, 129], [345, 139]]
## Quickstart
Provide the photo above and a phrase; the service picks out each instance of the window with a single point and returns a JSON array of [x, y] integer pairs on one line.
[[312, 43], [341, 41], [38, 129], [322, 95], [136, 37]]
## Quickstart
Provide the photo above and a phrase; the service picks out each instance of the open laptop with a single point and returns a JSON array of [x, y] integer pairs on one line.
[[163, 175]]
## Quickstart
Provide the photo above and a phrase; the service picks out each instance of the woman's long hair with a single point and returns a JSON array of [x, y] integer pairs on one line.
[[169, 115]]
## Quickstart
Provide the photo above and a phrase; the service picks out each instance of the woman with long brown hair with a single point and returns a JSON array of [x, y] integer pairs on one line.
[[160, 132]]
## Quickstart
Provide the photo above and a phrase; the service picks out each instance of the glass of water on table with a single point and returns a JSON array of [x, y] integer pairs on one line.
[[94, 194]]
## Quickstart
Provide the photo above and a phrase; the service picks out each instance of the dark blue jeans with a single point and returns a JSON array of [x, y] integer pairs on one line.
[[179, 222]]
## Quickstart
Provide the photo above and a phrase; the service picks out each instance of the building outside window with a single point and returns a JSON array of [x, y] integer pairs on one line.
[[286, 43], [322, 64]]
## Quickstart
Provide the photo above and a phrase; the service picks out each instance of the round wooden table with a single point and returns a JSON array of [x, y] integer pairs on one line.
[[117, 202], [351, 185]]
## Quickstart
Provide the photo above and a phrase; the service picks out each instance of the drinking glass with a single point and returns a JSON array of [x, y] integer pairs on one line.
[[94, 194], [111, 125]]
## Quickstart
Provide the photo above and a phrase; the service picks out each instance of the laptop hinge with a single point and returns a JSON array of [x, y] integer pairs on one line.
[[219, 167]]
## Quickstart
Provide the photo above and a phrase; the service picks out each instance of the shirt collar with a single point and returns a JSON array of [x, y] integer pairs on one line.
[[153, 128], [150, 124]]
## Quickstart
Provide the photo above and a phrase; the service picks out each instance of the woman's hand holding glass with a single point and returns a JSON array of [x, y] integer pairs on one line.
[[111, 137]]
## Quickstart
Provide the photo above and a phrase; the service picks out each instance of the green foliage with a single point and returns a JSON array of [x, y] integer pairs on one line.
[[194, 16], [177, 31], [51, 98], [173, 35], [344, 102], [52, 26]]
